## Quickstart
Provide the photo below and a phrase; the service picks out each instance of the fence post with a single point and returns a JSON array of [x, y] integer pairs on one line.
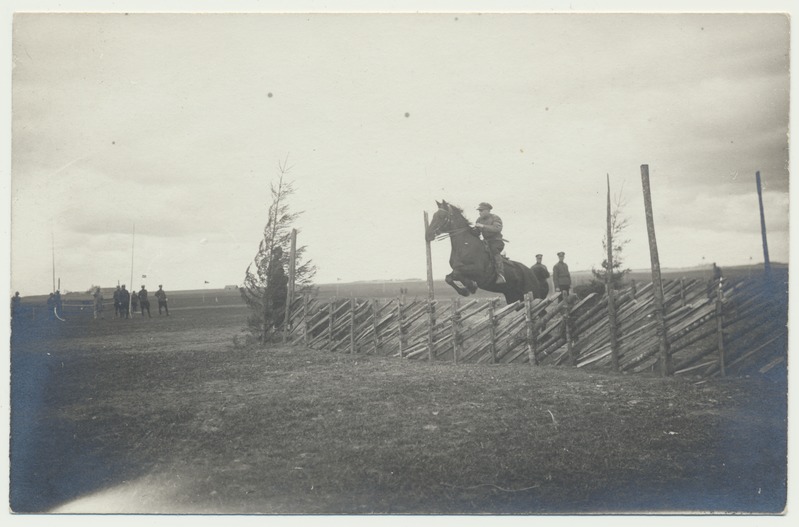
[[766, 262], [532, 333], [330, 324], [352, 325], [305, 320], [290, 288], [456, 330], [657, 283], [401, 324], [720, 325], [567, 315], [375, 336], [492, 329], [682, 291], [431, 323], [612, 324]]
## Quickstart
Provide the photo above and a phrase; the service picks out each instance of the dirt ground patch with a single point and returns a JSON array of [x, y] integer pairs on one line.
[[166, 415]]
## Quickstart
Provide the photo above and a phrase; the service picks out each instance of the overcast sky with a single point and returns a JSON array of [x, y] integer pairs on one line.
[[176, 123]]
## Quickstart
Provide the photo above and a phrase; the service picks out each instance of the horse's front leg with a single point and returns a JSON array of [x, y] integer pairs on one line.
[[450, 279]]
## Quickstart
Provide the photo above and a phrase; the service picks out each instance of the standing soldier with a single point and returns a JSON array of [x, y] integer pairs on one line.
[[124, 303], [16, 304], [116, 301], [134, 302], [98, 303], [561, 278], [59, 305], [490, 226], [161, 296], [541, 272], [51, 306], [144, 303]]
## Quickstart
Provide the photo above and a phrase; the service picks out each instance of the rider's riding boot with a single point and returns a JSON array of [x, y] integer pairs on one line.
[[500, 269]]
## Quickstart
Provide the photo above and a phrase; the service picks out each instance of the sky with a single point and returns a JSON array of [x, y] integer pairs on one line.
[[145, 144]]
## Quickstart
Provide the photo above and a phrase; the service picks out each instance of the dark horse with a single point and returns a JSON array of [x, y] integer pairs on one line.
[[471, 263]]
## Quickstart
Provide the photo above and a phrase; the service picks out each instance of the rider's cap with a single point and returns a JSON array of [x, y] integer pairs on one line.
[[484, 206], [561, 253], [539, 255]]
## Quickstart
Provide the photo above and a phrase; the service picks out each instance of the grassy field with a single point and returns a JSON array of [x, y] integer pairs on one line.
[[167, 415]]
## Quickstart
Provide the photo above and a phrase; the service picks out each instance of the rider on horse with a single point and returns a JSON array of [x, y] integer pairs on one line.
[[490, 226]]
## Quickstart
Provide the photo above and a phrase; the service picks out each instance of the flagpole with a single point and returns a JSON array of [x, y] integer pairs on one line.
[[52, 234], [132, 247]]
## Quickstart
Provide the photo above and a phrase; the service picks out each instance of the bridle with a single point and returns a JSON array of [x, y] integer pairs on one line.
[[441, 234]]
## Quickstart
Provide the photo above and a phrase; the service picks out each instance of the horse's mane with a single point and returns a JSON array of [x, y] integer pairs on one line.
[[459, 210]]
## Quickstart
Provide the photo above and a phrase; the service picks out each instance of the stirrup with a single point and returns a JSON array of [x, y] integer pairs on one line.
[[500, 279]]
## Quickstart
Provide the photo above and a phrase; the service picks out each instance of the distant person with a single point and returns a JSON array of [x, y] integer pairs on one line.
[[541, 272], [714, 282], [116, 301], [277, 287], [161, 296], [561, 278], [144, 302], [124, 302], [717, 274], [59, 304], [16, 304], [134, 302], [51, 306], [98, 303], [490, 226]]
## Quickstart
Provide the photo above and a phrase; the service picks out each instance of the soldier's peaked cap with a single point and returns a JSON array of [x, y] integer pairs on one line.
[[484, 205]]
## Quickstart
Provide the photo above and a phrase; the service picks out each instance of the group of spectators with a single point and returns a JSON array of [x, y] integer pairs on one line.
[[561, 278], [127, 303]]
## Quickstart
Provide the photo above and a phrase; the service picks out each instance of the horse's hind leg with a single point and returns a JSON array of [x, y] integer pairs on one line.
[[450, 279]]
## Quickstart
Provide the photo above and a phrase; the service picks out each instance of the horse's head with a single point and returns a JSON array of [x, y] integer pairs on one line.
[[445, 220]]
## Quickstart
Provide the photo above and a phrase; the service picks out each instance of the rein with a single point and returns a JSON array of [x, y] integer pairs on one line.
[[449, 234]]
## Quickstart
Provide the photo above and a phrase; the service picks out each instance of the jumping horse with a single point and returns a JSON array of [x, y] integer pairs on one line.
[[471, 262]]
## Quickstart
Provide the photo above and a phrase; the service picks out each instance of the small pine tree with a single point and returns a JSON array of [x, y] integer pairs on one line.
[[265, 281], [618, 223]]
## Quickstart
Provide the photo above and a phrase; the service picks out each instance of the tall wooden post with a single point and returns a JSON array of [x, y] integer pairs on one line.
[[431, 310], [682, 291], [430, 292], [657, 283], [305, 334], [612, 327], [457, 342], [401, 326], [330, 311], [766, 262], [431, 323], [290, 289], [567, 320], [492, 330], [532, 329], [375, 334], [352, 324], [720, 324]]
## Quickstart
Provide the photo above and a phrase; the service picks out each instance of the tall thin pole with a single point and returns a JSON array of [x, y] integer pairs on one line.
[[430, 292], [767, 263], [290, 289], [614, 341], [52, 233], [132, 247], [657, 283], [431, 313]]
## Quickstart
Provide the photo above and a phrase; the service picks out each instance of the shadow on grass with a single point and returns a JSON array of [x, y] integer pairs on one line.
[[51, 462]]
